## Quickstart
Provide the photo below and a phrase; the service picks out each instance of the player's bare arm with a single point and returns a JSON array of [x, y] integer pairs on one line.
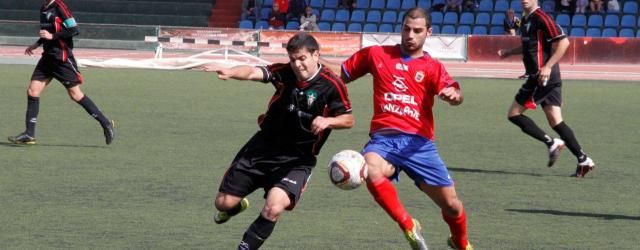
[[504, 53], [29, 50], [451, 95], [343, 121], [242, 72], [46, 35], [560, 48]]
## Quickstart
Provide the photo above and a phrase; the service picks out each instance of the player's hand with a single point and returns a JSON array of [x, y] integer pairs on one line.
[[319, 124], [543, 76], [502, 53], [223, 73], [31, 48], [46, 35], [450, 95]]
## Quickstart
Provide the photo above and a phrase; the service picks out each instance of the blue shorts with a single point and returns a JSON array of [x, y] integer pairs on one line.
[[415, 155]]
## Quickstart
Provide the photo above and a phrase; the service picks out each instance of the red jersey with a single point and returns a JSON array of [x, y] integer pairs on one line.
[[403, 88]]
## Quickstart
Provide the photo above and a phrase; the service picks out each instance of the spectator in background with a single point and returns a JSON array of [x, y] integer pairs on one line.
[[613, 6], [348, 4], [296, 9], [308, 20], [511, 23], [565, 6], [470, 5], [277, 19], [251, 9], [581, 6], [455, 5], [283, 5], [596, 6]]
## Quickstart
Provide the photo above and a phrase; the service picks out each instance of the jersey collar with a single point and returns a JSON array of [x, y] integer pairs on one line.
[[305, 83]]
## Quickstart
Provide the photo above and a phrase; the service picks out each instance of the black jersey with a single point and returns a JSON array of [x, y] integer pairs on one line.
[[56, 18], [538, 31], [295, 104]]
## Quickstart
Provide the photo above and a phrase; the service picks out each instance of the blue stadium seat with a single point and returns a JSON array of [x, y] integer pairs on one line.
[[450, 18], [389, 16], [425, 4], [292, 25], [577, 32], [479, 30], [501, 6], [342, 16], [497, 19], [485, 6], [463, 30], [262, 24], [516, 5], [595, 20], [435, 29], [436, 17], [316, 4], [355, 27], [626, 33], [385, 27], [377, 4], [548, 6], [324, 26], [357, 16], [436, 2], [407, 4], [362, 4], [370, 27], [483, 19], [397, 28], [609, 32], [267, 4], [563, 20], [466, 18], [630, 7], [330, 4], [264, 13], [374, 16], [448, 29], [612, 21], [328, 15], [340, 27], [594, 32], [401, 16], [578, 20], [246, 24], [628, 21], [393, 4], [496, 30]]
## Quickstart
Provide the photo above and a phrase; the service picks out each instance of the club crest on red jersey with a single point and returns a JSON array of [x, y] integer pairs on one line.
[[419, 76]]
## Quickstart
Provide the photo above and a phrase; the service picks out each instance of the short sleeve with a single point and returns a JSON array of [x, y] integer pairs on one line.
[[443, 79], [65, 14], [358, 64], [338, 102], [552, 31]]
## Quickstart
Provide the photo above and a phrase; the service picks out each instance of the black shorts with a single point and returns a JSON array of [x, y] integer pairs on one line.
[[547, 95], [265, 164], [65, 72]]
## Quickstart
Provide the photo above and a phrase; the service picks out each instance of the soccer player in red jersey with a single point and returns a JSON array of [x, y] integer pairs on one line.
[[406, 80], [543, 85]]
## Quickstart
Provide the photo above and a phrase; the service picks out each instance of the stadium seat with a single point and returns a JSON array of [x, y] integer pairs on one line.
[[496, 30], [563, 20], [370, 27], [357, 16], [435, 29], [516, 5], [579, 20], [549, 6], [397, 28], [577, 32], [342, 16], [436, 17], [609, 32], [612, 21], [594, 32], [328, 15], [501, 6], [466, 18], [448, 29], [401, 16], [267, 4], [450, 18], [407, 4], [385, 27], [246, 24], [436, 2], [262, 24], [463, 30], [316, 4], [377, 4], [330, 4], [628, 21], [425, 4], [485, 6], [595, 20], [497, 19], [362, 4], [292, 25], [374, 16], [483, 19], [626, 33], [324, 26], [393, 4], [354, 27], [340, 27], [479, 30], [264, 13], [389, 16], [630, 7]]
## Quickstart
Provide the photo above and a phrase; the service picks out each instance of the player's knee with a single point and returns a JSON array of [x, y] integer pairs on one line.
[[272, 211], [223, 202], [453, 207]]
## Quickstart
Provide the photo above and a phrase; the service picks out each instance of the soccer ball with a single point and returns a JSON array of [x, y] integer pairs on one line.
[[347, 169]]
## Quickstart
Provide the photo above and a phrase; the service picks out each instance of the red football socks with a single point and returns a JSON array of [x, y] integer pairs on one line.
[[385, 194], [458, 227]]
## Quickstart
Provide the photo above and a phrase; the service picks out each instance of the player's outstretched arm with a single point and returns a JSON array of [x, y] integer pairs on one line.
[[343, 121], [241, 72], [29, 50], [452, 95], [504, 53]]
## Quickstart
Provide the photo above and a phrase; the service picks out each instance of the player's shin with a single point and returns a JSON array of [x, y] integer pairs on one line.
[[93, 110], [257, 233], [385, 194], [31, 117], [458, 227]]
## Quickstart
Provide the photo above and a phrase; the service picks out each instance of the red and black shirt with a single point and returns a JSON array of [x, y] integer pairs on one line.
[[538, 32], [56, 18]]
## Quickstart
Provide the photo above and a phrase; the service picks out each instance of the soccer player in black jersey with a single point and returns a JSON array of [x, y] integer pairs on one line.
[[57, 29], [543, 85], [309, 101]]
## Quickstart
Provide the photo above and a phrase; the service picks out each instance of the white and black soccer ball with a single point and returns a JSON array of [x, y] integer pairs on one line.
[[347, 169]]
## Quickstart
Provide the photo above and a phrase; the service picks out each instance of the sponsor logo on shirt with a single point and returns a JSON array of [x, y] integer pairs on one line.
[[402, 67], [399, 84]]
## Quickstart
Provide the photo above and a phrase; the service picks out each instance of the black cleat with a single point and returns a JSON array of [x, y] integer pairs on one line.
[[22, 138], [109, 134]]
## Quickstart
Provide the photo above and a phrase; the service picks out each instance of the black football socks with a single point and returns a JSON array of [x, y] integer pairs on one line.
[[529, 127], [31, 117], [93, 110], [257, 233], [569, 138]]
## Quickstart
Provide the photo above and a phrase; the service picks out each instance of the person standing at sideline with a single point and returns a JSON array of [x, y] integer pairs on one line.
[[543, 86]]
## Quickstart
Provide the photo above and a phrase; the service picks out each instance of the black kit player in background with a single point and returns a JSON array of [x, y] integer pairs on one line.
[[57, 28], [309, 101], [543, 85]]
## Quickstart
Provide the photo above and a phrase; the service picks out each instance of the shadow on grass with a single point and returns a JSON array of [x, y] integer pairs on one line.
[[484, 171], [8, 144], [575, 214]]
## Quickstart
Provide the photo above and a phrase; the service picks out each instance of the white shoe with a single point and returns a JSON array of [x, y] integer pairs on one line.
[[554, 151], [584, 167]]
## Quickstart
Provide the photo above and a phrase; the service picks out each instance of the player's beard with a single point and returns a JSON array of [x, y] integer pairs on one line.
[[412, 47]]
